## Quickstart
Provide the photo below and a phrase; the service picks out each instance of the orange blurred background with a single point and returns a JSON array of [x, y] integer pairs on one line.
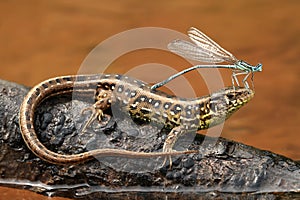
[[41, 39]]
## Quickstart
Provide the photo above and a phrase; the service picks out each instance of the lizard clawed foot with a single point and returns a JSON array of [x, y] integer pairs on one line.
[[173, 151], [172, 137], [96, 113], [166, 158]]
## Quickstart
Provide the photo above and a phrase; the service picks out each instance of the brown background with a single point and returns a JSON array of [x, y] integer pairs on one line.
[[42, 39]]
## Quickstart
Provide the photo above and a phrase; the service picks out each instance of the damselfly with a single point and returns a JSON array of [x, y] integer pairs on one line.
[[206, 50]]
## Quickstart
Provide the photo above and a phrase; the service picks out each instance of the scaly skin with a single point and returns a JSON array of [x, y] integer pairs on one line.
[[137, 99]]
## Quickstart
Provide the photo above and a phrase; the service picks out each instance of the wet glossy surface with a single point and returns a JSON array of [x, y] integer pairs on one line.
[[17, 194], [43, 39]]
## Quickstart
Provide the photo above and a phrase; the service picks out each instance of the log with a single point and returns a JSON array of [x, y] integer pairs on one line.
[[222, 168]]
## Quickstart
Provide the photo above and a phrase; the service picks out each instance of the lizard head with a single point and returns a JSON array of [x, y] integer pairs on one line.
[[223, 103]]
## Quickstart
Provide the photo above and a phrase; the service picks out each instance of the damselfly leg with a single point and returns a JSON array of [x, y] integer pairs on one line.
[[236, 73]]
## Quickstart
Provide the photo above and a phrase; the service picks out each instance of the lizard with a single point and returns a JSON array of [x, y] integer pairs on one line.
[[139, 101]]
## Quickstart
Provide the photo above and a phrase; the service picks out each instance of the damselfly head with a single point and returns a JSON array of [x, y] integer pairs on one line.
[[258, 67]]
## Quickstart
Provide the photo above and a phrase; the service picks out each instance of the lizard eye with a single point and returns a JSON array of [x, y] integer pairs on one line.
[[212, 107], [230, 96]]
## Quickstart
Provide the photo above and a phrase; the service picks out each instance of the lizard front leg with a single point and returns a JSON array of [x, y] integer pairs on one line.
[[173, 136]]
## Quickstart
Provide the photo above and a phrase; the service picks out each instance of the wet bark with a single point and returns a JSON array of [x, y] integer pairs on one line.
[[222, 168]]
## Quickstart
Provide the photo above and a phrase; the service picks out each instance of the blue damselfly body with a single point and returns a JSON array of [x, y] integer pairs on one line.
[[206, 50]]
